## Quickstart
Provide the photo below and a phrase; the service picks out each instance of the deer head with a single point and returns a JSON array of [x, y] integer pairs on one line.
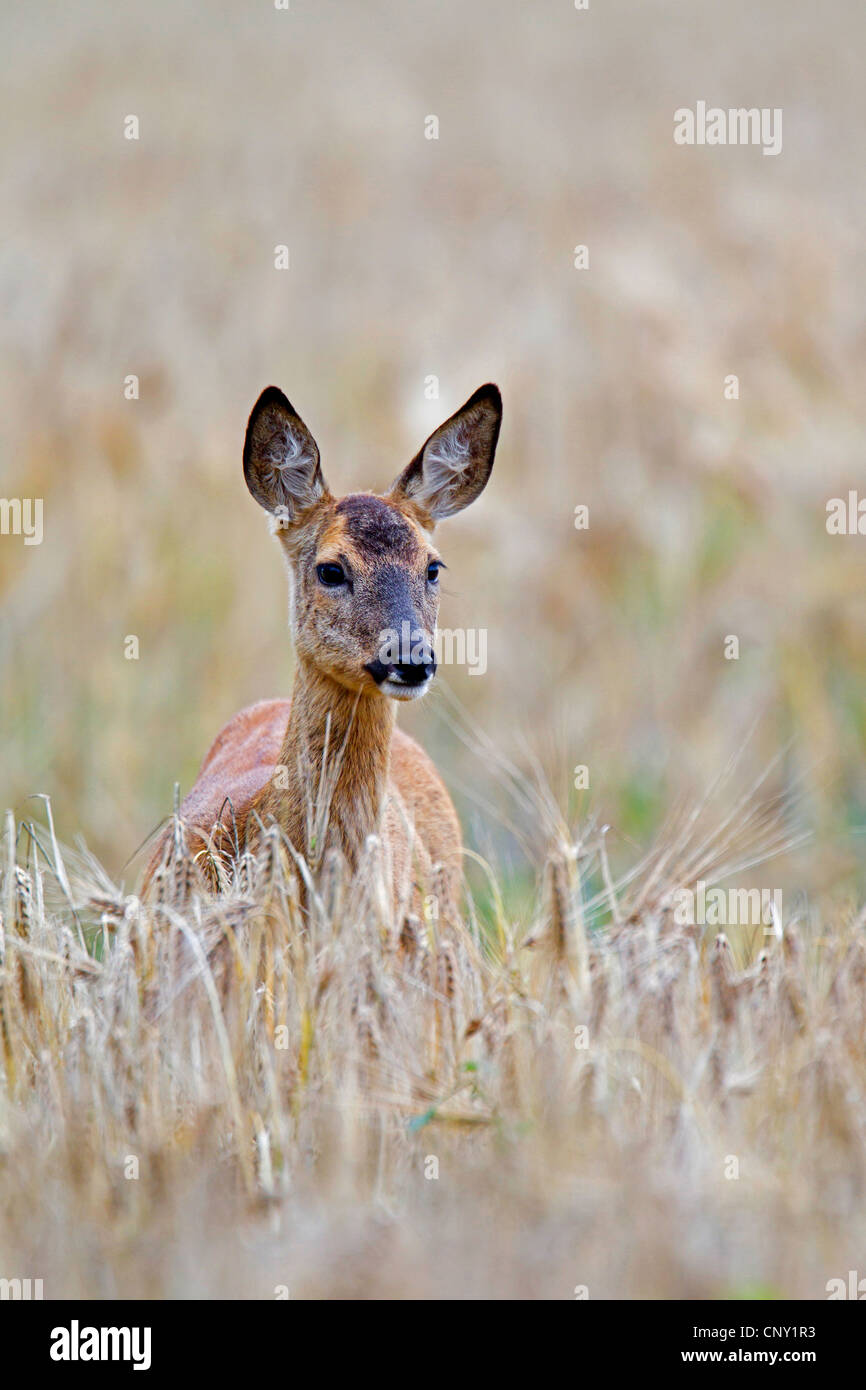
[[364, 569]]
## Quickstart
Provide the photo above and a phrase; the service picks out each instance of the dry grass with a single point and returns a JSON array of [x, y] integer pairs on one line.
[[606, 1099]]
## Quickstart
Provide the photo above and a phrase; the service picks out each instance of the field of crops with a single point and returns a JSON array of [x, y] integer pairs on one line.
[[578, 1089]]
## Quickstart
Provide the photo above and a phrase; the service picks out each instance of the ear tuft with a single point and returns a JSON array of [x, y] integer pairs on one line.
[[453, 467], [281, 458]]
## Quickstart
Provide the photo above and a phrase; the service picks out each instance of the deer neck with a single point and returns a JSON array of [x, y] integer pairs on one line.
[[335, 759]]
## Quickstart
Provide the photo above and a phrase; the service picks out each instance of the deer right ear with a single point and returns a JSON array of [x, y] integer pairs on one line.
[[281, 458], [453, 466]]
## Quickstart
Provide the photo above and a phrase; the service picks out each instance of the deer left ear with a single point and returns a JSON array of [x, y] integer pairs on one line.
[[281, 458], [452, 468]]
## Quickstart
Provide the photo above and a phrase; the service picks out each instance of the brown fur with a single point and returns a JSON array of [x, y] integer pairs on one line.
[[329, 767], [236, 782]]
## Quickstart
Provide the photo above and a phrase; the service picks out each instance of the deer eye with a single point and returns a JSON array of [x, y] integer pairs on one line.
[[433, 571], [331, 575]]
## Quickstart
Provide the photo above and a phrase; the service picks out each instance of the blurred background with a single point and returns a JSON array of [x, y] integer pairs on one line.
[[452, 258]]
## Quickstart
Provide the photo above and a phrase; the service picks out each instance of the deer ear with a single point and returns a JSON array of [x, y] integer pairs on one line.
[[453, 466], [281, 458]]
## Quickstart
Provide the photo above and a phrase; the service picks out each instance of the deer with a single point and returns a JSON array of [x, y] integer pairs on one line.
[[328, 767]]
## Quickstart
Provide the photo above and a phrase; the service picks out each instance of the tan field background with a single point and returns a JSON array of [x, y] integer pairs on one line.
[[453, 258]]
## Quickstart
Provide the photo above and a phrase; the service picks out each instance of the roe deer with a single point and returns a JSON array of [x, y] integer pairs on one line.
[[360, 568]]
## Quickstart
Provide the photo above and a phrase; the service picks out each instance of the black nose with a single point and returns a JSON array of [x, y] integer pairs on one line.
[[412, 672]]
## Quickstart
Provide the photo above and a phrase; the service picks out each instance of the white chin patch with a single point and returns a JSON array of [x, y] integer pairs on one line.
[[398, 691]]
